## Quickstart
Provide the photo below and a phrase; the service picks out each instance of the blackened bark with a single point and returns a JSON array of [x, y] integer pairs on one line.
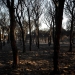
[[53, 29], [0, 40], [12, 37], [24, 49], [38, 37], [37, 33], [8, 37], [71, 35], [23, 40], [50, 33], [3, 37], [58, 21], [29, 29], [20, 24], [49, 40]]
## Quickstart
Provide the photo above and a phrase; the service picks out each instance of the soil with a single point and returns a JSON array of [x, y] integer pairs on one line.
[[38, 61]]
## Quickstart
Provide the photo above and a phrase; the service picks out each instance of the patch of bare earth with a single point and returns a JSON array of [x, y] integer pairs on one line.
[[38, 61]]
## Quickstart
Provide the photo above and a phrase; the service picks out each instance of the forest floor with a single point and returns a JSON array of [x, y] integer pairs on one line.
[[38, 61]]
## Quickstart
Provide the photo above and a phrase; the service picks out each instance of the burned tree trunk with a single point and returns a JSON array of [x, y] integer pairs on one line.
[[12, 38], [11, 9], [71, 35], [0, 40], [37, 36], [30, 42], [58, 21]]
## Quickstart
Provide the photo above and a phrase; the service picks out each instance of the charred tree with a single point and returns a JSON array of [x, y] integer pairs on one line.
[[58, 20], [10, 6], [71, 35], [29, 28], [0, 40]]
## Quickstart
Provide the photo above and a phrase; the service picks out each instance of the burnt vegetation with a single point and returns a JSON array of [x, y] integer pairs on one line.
[[26, 48]]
